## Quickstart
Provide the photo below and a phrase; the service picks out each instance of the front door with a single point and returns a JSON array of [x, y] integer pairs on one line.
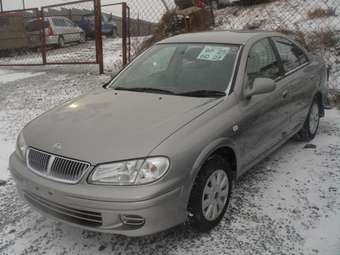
[[264, 117]]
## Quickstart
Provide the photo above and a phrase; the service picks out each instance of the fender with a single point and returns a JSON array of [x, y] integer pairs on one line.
[[207, 152]]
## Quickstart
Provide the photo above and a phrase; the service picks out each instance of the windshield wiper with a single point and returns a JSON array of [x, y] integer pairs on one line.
[[203, 93], [152, 90]]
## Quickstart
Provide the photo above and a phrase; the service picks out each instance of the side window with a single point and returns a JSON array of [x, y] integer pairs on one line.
[[262, 62], [69, 23], [58, 22], [291, 55]]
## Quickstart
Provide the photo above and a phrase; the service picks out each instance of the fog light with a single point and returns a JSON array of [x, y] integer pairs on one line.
[[132, 220]]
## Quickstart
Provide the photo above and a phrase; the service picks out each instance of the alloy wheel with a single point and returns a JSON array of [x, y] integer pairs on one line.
[[314, 119], [215, 195]]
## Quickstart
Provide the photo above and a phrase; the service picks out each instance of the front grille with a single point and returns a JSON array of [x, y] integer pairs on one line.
[[39, 161], [56, 167], [72, 215]]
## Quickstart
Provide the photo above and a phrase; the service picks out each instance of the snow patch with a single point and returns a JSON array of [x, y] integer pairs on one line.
[[10, 76], [6, 149]]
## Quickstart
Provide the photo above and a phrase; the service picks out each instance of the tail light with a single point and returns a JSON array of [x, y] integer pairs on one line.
[[50, 31]]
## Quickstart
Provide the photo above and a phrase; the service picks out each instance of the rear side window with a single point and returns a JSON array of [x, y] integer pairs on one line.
[[33, 26], [59, 23], [262, 62], [69, 23], [291, 55]]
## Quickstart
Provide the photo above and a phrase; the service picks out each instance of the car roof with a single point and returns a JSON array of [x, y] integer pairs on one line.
[[225, 37]]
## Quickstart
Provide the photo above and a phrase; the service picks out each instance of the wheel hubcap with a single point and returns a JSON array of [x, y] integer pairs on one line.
[[215, 195], [314, 118]]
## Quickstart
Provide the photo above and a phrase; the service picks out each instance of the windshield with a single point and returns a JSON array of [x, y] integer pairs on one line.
[[180, 69]]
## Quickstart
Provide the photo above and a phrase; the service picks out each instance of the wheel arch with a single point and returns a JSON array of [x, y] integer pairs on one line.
[[224, 147]]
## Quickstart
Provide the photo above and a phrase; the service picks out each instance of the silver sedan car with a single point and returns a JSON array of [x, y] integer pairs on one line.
[[164, 141]]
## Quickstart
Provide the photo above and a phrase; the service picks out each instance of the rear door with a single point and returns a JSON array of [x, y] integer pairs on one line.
[[264, 117], [300, 81], [73, 31]]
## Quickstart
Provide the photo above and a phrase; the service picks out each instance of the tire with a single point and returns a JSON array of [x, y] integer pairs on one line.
[[82, 38], [311, 125], [114, 33], [61, 42], [202, 197], [214, 5]]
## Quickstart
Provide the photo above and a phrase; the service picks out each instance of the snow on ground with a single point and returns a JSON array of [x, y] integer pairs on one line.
[[84, 52], [10, 76], [288, 204]]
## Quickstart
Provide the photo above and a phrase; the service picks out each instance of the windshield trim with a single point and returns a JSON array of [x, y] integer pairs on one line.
[[232, 78]]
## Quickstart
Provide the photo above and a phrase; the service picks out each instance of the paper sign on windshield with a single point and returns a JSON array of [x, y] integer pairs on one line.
[[213, 53]]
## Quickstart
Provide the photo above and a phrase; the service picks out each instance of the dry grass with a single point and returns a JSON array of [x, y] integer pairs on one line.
[[298, 35], [265, 1], [335, 99], [313, 41], [167, 27], [321, 13]]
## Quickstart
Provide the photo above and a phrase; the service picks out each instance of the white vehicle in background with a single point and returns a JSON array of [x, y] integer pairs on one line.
[[58, 32]]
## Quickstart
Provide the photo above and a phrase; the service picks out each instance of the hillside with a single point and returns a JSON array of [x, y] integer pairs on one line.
[[316, 22]]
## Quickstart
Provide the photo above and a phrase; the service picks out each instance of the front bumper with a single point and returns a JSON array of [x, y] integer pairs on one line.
[[71, 204]]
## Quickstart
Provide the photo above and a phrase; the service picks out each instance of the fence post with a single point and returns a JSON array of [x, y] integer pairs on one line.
[[99, 39], [42, 35], [124, 32], [129, 33], [1, 8]]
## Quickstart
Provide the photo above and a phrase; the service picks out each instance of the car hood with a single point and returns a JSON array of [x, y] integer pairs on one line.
[[109, 125]]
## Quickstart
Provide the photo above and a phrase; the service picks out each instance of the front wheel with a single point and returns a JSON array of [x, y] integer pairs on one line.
[[61, 42], [311, 125], [82, 38], [210, 194]]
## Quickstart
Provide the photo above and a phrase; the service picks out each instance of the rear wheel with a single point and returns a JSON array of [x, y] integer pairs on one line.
[[114, 33], [82, 38], [311, 125], [214, 4], [61, 42], [210, 194]]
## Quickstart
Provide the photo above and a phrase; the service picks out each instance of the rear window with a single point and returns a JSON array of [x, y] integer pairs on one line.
[[4, 24], [35, 25]]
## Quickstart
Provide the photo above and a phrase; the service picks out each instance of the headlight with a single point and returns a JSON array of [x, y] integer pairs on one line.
[[130, 172], [21, 147]]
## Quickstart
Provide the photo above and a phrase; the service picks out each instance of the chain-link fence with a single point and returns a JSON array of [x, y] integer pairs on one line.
[[69, 33], [16, 44], [314, 23], [78, 32]]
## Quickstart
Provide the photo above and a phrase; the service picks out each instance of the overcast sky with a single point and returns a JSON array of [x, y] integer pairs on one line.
[[146, 9]]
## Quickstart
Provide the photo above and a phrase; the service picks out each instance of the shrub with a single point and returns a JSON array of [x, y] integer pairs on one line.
[[321, 13]]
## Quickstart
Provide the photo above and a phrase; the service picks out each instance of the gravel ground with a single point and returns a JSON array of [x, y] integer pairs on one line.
[[288, 204]]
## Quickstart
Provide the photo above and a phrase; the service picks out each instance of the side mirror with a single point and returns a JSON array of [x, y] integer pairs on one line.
[[261, 86]]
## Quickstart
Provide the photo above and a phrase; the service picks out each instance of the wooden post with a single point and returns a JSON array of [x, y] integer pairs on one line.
[[1, 7], [124, 33], [99, 39], [42, 35]]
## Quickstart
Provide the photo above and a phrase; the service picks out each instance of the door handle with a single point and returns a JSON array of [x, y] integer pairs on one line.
[[285, 94]]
